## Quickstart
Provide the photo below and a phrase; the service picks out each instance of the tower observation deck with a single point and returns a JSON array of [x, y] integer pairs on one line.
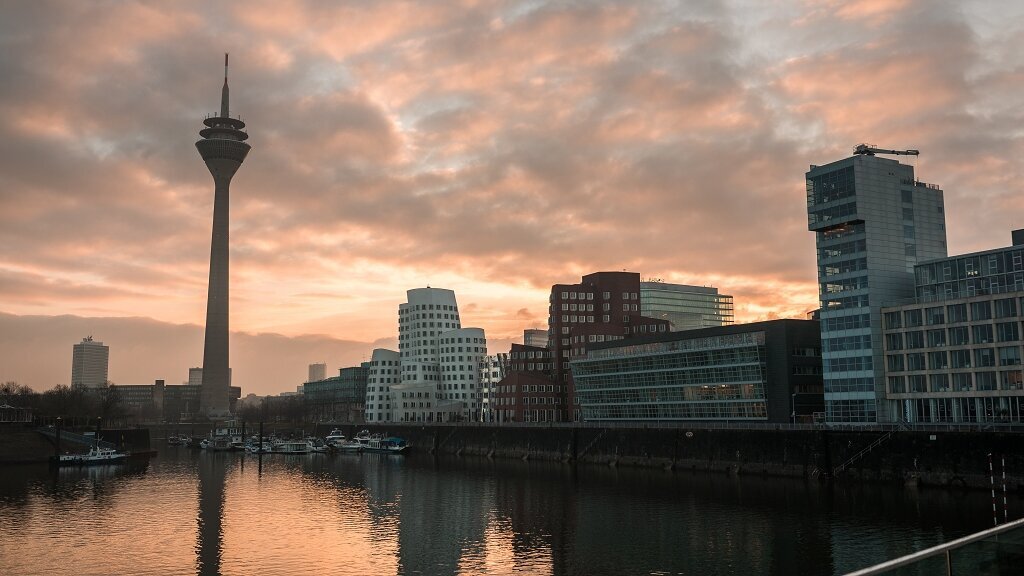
[[223, 148]]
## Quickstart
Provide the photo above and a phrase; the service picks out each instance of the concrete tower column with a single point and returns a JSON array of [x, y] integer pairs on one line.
[[223, 148]]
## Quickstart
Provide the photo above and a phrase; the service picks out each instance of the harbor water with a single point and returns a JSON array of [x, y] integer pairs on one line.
[[188, 511]]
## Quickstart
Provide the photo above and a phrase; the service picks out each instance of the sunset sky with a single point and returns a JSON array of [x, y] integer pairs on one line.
[[493, 148]]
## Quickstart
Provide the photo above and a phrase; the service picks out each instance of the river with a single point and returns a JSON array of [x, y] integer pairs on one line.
[[187, 511]]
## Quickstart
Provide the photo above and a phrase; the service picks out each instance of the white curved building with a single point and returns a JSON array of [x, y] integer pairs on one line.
[[384, 373], [439, 376]]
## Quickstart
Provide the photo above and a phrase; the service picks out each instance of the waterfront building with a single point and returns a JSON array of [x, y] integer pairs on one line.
[[528, 392], [535, 337], [223, 149], [440, 360], [341, 398], [760, 372], [89, 363], [168, 403], [873, 221], [953, 353], [492, 370], [383, 373], [603, 307], [317, 372], [685, 307]]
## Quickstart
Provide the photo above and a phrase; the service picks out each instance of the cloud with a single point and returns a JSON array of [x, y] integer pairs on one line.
[[495, 148]]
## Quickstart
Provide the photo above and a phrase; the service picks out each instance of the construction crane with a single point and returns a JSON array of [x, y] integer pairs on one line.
[[871, 150]]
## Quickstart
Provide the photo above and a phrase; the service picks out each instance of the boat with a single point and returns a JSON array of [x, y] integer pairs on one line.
[[317, 445], [257, 448], [378, 443], [336, 440], [95, 455], [290, 447], [178, 440]]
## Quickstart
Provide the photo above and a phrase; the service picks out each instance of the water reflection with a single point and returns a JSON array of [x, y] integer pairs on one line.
[[223, 513]]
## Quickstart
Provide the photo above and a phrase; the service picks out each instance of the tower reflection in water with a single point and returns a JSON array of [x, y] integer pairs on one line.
[[212, 471]]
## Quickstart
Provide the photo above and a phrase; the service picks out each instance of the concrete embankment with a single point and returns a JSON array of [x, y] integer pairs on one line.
[[22, 444], [956, 459]]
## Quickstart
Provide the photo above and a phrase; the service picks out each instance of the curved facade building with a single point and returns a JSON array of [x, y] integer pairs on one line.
[[439, 378], [383, 373]]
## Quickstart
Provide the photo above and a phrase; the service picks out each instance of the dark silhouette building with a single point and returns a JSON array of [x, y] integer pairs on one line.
[[223, 148]]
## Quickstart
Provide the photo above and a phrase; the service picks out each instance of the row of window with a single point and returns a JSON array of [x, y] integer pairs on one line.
[[942, 360], [1007, 380], [954, 336], [952, 313]]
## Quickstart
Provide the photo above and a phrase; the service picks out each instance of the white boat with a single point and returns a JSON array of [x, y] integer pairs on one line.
[[336, 439], [256, 448], [95, 455], [290, 447], [317, 445], [378, 443]]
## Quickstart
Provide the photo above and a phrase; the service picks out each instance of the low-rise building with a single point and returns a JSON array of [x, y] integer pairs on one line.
[[953, 354], [760, 372], [341, 398]]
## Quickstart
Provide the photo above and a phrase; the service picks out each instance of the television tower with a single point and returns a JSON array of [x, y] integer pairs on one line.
[[223, 148]]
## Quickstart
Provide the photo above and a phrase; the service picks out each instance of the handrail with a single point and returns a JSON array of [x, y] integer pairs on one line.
[[936, 550]]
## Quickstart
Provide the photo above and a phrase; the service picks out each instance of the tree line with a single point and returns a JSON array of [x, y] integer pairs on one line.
[[64, 401]]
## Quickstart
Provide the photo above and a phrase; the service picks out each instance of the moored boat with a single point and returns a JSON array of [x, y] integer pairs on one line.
[[290, 447], [95, 455]]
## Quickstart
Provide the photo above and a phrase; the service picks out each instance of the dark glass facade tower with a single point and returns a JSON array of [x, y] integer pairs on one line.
[[223, 148]]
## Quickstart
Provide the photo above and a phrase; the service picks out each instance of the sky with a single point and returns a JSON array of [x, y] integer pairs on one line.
[[492, 148]]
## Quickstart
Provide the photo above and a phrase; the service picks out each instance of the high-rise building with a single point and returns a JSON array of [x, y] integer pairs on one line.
[[223, 148], [89, 362], [341, 398], [440, 360], [685, 307], [873, 221], [195, 376], [317, 372], [604, 307]]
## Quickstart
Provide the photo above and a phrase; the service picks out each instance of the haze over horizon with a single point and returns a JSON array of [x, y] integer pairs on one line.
[[492, 148]]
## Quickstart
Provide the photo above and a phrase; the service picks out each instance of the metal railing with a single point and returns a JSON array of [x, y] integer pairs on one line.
[[994, 551]]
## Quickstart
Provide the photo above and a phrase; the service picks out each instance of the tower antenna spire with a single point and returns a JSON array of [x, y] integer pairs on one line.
[[224, 91]]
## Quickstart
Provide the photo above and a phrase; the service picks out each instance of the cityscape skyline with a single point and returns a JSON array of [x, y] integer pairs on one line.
[[376, 180]]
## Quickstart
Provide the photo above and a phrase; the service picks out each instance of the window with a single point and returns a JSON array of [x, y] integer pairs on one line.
[[938, 382], [985, 381], [1006, 308], [1007, 332], [894, 341], [962, 381], [1009, 356], [959, 336], [981, 311], [897, 385], [935, 316], [984, 357], [893, 320], [960, 358], [956, 313], [895, 362], [936, 338], [982, 333], [915, 339], [915, 361], [907, 195], [912, 318], [938, 360]]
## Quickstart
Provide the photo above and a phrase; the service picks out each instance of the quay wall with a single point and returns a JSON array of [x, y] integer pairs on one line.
[[954, 458]]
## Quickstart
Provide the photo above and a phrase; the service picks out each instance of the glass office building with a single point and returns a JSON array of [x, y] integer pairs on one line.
[[873, 221], [685, 307], [764, 371]]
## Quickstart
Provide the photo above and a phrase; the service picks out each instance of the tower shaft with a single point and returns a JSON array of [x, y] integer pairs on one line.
[[223, 148]]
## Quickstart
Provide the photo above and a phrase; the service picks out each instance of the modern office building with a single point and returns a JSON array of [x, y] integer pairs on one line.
[[535, 337], [223, 148], [873, 221], [317, 372], [89, 363], [953, 354], [340, 399], [685, 307], [384, 372], [760, 372], [439, 376], [603, 307]]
